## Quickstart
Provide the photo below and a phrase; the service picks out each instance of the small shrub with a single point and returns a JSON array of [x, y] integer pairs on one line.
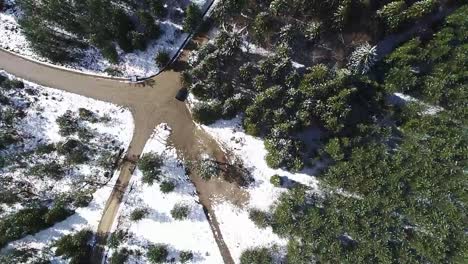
[[45, 149], [74, 150], [113, 71], [167, 186], [8, 84], [162, 58], [150, 165], [257, 256], [110, 53], [52, 170], [138, 214], [119, 257], [260, 218], [186, 256], [116, 238], [157, 253], [68, 124], [208, 169], [87, 115], [85, 134], [180, 211], [82, 198], [276, 180], [7, 138]]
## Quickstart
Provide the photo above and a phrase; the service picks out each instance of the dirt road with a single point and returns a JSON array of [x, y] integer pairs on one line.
[[150, 104]]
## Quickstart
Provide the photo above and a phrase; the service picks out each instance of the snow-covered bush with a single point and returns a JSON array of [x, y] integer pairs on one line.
[[167, 186], [180, 211], [276, 180], [260, 218], [362, 58], [185, 256], [138, 214], [150, 165], [116, 238], [162, 58], [208, 168], [157, 253], [119, 256]]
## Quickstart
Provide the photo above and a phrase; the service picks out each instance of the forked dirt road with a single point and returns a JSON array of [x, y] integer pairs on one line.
[[151, 104]]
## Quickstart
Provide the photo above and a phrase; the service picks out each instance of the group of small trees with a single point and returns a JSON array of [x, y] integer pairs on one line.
[[406, 203], [58, 30], [31, 220], [277, 100]]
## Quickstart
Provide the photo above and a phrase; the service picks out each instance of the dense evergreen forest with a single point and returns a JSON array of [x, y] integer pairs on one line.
[[60, 30], [393, 131]]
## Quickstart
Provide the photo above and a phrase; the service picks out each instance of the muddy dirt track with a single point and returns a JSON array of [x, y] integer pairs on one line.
[[151, 103]]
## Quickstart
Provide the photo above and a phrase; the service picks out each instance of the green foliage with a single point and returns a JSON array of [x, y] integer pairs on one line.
[[100, 22], [51, 170], [116, 238], [24, 255], [180, 211], [22, 223], [119, 256], [167, 186], [185, 256], [75, 151], [193, 18], [68, 123], [208, 168], [57, 213], [392, 14], [396, 13], [404, 181], [74, 246], [257, 256], [138, 214], [9, 84], [87, 115], [158, 9], [207, 113], [260, 218], [433, 70], [162, 58], [110, 53], [157, 253], [150, 165], [276, 180]]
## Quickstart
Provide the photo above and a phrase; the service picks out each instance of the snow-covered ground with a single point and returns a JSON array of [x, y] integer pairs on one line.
[[238, 231], [110, 133], [139, 63], [158, 226]]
